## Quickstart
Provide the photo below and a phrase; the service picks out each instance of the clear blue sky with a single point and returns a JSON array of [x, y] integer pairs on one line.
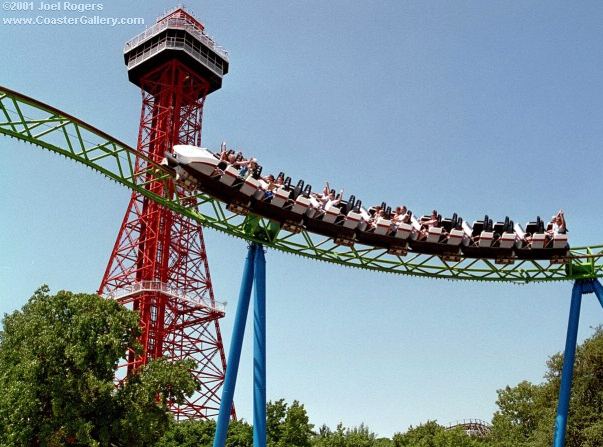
[[467, 106]]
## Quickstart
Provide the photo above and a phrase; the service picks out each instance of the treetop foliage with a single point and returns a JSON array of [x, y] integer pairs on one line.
[[59, 354], [58, 357]]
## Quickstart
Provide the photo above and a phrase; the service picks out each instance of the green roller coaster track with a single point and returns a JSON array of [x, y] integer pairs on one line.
[[31, 121]]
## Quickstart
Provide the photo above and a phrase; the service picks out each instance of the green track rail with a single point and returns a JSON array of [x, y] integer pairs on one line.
[[31, 121]]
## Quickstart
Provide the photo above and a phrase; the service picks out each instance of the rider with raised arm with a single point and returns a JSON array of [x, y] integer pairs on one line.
[[246, 166], [332, 200], [557, 224]]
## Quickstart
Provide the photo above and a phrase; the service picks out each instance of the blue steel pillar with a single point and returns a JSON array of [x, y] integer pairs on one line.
[[259, 351], [234, 354], [598, 289], [568, 362]]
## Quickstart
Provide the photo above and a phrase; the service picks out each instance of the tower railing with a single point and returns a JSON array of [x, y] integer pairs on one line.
[[166, 289], [177, 23], [146, 52]]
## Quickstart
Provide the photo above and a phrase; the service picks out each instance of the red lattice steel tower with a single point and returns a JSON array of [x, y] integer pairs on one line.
[[158, 266]]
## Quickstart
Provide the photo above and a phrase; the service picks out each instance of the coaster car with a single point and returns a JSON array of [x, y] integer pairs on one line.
[[347, 222]]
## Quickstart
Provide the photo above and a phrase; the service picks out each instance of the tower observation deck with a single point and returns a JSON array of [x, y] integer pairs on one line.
[[179, 36]]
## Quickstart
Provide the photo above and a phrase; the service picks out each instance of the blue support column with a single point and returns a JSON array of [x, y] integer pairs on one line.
[[568, 366], [259, 351], [598, 289], [234, 354]]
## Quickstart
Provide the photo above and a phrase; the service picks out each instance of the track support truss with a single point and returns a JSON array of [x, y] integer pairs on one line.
[[31, 121]]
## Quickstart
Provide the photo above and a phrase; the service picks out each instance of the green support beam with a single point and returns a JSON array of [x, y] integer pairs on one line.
[[31, 121]]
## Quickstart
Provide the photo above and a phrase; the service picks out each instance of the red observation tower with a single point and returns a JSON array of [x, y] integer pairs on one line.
[[158, 266]]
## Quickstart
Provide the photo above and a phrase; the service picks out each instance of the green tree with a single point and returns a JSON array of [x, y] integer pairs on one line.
[[360, 436], [526, 414], [431, 434], [586, 411], [275, 421], [240, 434], [420, 436], [201, 434], [142, 404], [384, 442], [519, 414], [328, 438], [58, 357], [297, 430], [457, 438], [287, 426], [189, 434]]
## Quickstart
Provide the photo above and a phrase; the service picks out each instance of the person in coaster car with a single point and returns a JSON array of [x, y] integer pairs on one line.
[[268, 185], [323, 197], [527, 237], [228, 158], [328, 199], [280, 180], [318, 200], [401, 215], [246, 166], [375, 212], [427, 223], [332, 200], [431, 221], [556, 226], [223, 157]]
